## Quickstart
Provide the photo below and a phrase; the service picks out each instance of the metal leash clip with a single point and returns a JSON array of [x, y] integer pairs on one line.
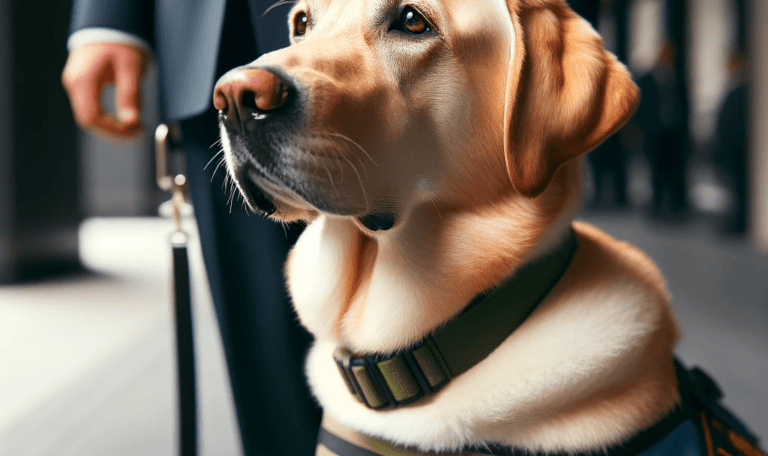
[[167, 136]]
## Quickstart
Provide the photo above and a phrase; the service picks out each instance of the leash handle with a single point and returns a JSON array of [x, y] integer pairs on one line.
[[165, 136]]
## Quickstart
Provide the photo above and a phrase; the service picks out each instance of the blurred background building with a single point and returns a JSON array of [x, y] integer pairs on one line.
[[686, 180]]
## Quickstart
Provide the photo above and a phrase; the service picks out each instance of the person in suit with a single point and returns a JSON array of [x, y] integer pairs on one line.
[[609, 174], [194, 43]]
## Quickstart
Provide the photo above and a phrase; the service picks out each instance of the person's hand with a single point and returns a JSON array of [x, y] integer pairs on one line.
[[88, 69]]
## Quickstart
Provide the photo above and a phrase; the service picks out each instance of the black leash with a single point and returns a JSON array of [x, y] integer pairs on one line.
[[182, 303]]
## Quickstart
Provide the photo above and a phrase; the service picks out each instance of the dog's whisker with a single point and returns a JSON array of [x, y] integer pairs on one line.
[[436, 208], [360, 180], [213, 158], [327, 170], [221, 162], [351, 141], [276, 4], [232, 191], [330, 177], [244, 204], [231, 199], [341, 166], [216, 143]]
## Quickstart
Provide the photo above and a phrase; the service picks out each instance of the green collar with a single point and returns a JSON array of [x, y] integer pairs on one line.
[[386, 381]]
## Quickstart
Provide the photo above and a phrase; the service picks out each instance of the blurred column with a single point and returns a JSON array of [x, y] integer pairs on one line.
[[39, 186], [621, 16], [742, 25], [6, 142], [677, 34], [758, 42], [588, 9]]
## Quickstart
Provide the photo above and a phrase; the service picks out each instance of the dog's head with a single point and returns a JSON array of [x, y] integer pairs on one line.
[[381, 105]]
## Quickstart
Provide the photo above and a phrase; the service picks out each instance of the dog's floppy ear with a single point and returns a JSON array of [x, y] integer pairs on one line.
[[565, 92]]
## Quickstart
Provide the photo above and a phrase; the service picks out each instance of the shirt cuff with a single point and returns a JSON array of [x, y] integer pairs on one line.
[[106, 35]]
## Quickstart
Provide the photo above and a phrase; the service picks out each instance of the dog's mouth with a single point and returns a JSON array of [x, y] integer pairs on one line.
[[255, 197], [265, 196]]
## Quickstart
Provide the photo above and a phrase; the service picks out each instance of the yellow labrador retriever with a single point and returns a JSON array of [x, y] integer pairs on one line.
[[435, 149]]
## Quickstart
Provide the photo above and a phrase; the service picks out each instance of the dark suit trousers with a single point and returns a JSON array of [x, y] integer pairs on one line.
[[244, 255]]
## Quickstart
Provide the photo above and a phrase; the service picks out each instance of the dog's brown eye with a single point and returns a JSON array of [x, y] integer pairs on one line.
[[300, 24], [413, 21]]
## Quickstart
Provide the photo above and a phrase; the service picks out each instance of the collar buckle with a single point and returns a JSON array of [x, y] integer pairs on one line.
[[382, 382]]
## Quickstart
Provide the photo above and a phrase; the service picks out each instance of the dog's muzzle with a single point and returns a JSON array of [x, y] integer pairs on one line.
[[255, 106], [262, 117]]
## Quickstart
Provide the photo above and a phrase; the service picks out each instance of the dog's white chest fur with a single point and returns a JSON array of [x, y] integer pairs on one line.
[[581, 362]]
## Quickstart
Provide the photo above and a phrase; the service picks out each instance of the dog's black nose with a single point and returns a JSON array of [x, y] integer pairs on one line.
[[250, 91]]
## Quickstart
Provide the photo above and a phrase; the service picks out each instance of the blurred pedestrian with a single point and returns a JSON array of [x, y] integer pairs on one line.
[[609, 173], [194, 43], [608, 162], [661, 115], [731, 143]]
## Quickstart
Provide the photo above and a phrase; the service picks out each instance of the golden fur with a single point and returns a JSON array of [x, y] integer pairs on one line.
[[471, 137]]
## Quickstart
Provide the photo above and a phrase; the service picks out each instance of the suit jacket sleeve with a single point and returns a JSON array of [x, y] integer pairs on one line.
[[135, 17]]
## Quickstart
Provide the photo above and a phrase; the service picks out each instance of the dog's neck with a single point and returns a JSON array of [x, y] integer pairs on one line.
[[377, 293], [596, 353]]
